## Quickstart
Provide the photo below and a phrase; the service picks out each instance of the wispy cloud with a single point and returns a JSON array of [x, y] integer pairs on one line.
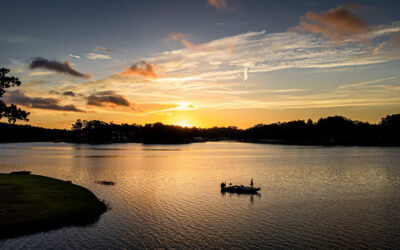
[[359, 84], [213, 77], [17, 39], [16, 66], [384, 30], [149, 108], [19, 97], [262, 52], [245, 76], [143, 69], [181, 38], [56, 66], [335, 24], [74, 56], [41, 73], [102, 49], [95, 56]]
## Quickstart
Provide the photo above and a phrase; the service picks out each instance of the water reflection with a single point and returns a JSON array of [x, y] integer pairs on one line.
[[116, 156], [251, 196], [169, 196]]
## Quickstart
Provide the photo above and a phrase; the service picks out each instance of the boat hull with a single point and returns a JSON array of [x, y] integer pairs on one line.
[[240, 190]]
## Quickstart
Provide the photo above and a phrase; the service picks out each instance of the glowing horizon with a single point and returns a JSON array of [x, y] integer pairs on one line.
[[240, 67]]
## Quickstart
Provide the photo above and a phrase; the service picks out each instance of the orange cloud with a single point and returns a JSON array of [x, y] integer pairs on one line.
[[335, 24], [146, 70], [231, 47], [181, 38], [219, 4], [155, 107]]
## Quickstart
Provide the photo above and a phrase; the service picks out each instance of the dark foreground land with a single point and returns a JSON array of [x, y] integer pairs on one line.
[[334, 130], [33, 203]]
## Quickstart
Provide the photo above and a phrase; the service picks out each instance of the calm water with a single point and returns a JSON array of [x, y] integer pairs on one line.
[[169, 195]]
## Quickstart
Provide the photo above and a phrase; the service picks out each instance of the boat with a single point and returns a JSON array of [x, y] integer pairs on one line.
[[239, 189]]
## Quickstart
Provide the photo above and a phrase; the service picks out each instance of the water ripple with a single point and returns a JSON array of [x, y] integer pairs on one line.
[[168, 196]]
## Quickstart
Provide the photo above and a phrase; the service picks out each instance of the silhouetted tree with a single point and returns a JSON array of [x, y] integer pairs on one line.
[[390, 126], [391, 121], [27, 133], [77, 125], [10, 111], [334, 130]]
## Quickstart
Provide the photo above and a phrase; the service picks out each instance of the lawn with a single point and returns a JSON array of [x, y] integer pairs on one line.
[[33, 203]]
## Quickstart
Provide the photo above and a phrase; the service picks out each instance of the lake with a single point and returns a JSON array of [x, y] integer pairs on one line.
[[169, 195]]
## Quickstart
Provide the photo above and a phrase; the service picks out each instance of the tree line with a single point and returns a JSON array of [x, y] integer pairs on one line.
[[334, 130]]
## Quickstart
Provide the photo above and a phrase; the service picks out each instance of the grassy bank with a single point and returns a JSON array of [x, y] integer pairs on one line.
[[33, 203]]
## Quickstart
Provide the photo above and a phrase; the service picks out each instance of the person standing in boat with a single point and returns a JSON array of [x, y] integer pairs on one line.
[[251, 182]]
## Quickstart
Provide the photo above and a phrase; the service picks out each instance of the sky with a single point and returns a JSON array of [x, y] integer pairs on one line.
[[201, 63]]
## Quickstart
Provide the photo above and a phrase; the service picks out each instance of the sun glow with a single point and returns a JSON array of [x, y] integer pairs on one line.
[[184, 106], [183, 120], [184, 124]]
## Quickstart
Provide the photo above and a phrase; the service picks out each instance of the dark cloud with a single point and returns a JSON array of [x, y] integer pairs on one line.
[[146, 70], [335, 24], [18, 97], [107, 98], [56, 66], [69, 93], [105, 92]]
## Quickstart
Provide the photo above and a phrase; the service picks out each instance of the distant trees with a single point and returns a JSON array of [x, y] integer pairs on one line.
[[10, 111], [334, 130], [77, 125], [101, 132], [390, 126], [92, 131], [27, 133], [391, 121]]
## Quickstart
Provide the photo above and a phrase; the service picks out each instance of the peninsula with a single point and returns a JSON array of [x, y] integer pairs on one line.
[[34, 203]]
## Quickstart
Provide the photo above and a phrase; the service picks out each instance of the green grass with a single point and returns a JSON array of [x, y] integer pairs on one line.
[[33, 203]]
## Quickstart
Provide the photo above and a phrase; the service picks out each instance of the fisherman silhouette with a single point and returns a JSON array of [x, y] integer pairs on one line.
[[251, 182]]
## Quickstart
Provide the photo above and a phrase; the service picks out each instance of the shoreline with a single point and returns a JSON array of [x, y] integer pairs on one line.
[[228, 140], [35, 203], [329, 131]]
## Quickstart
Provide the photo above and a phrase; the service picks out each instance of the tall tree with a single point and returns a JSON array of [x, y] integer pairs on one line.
[[11, 112]]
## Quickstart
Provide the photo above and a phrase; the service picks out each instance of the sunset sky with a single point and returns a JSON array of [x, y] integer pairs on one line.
[[201, 62]]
